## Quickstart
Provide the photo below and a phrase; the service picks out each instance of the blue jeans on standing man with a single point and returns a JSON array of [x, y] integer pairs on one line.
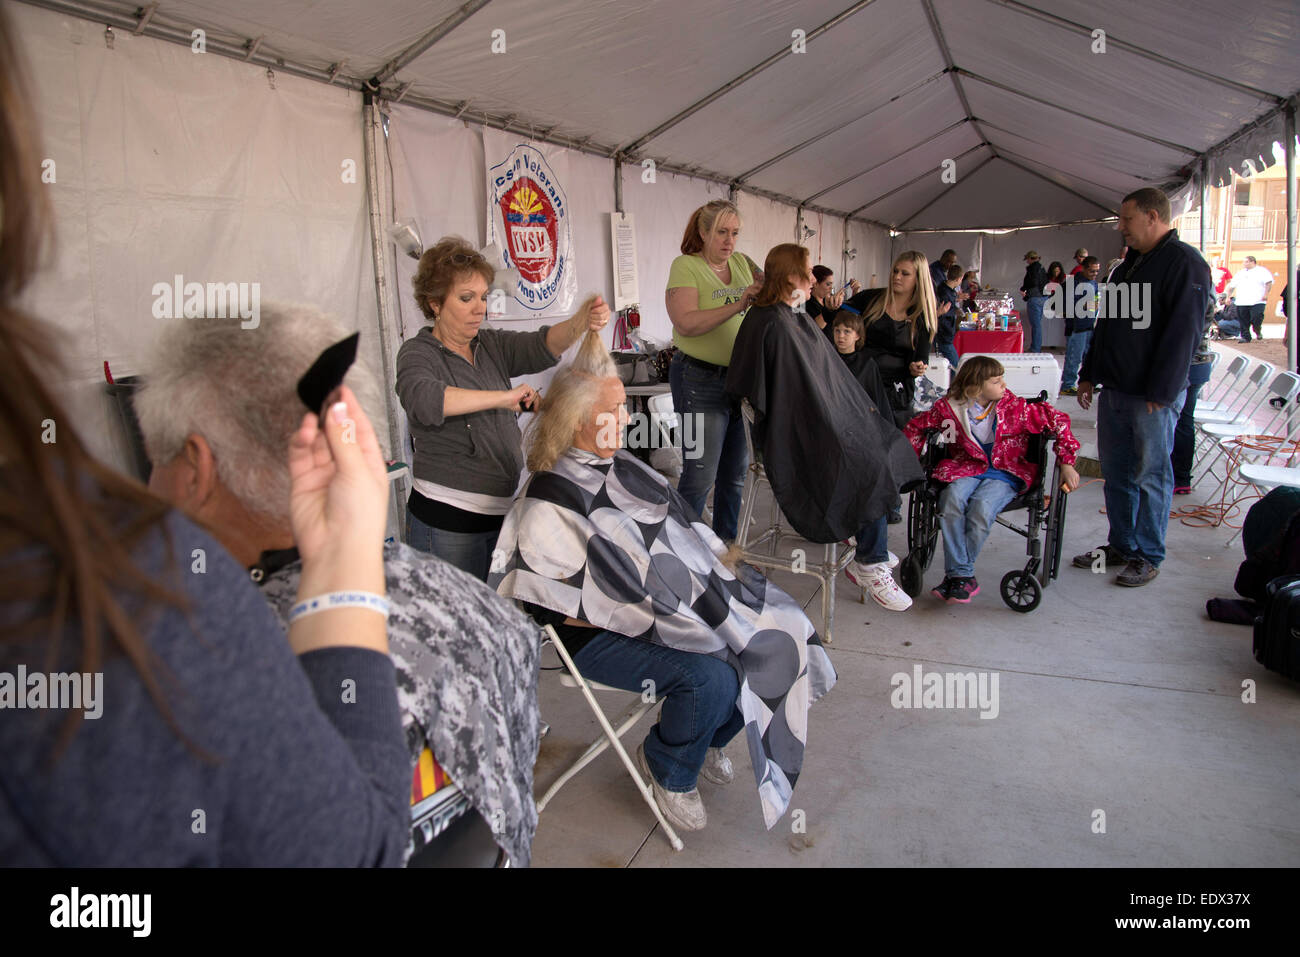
[[949, 351], [699, 693], [968, 508], [1076, 344], [1035, 319], [469, 551], [1134, 446], [720, 456]]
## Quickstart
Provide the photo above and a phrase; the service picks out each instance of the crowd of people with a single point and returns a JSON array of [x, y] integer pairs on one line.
[[230, 601]]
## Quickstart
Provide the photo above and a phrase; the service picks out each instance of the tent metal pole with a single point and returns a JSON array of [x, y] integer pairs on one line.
[[1289, 127], [903, 222], [749, 74], [950, 67], [848, 179], [1046, 179], [917, 179], [618, 183], [1205, 199], [420, 46], [378, 247], [1079, 113]]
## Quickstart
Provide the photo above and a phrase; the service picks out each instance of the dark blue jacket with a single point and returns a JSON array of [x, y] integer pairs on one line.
[[1150, 356]]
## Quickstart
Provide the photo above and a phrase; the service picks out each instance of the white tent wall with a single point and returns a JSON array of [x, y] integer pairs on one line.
[[873, 254], [173, 163], [764, 224]]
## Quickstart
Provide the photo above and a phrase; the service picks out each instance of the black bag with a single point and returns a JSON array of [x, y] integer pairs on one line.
[[1271, 540], [1277, 631]]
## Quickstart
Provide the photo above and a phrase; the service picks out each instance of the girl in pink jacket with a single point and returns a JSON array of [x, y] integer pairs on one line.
[[986, 429]]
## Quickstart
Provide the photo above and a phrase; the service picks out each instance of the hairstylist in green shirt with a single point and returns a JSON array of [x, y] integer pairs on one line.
[[709, 288]]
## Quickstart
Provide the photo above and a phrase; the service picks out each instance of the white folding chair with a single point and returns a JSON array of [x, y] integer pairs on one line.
[[835, 555], [611, 736], [1228, 383], [1246, 402], [1224, 435], [1264, 478]]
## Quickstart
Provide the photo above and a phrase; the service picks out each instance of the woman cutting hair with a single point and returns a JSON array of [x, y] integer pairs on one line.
[[900, 322], [453, 378]]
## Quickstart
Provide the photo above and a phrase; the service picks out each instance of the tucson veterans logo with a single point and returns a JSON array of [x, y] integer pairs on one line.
[[532, 220]]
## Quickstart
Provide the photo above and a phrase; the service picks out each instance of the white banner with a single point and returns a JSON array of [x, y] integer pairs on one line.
[[623, 241], [529, 219]]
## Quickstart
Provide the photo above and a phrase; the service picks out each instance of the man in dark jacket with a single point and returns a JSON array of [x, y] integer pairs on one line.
[[1141, 351], [1035, 295]]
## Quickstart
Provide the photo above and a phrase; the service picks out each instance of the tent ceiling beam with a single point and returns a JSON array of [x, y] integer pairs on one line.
[[1049, 146], [730, 85], [951, 69], [839, 126], [940, 195], [1072, 192], [1025, 10], [145, 14], [923, 142], [420, 46], [916, 179], [1080, 114], [1004, 153]]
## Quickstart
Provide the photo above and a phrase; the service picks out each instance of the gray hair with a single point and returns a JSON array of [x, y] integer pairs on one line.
[[237, 388]]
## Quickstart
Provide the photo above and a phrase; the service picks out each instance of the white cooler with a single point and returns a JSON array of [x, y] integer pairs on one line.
[[1028, 374]]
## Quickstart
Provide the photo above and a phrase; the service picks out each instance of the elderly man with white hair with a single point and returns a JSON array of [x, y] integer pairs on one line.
[[217, 409]]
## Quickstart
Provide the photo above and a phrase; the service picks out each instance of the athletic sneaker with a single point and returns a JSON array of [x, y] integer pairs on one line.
[[1112, 555], [962, 591], [1182, 490], [1069, 390], [717, 767], [940, 591], [877, 580], [1136, 573], [684, 809]]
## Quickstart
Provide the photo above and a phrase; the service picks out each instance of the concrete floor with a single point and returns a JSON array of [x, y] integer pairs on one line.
[[1114, 700]]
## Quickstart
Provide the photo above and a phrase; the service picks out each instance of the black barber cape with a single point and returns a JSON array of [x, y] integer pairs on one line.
[[834, 462]]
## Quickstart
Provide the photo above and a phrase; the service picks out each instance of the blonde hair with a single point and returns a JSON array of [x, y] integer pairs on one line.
[[922, 305], [702, 222], [568, 403]]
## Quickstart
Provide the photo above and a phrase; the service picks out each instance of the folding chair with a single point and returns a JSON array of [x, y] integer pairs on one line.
[[610, 738], [1228, 383], [835, 555], [1227, 436]]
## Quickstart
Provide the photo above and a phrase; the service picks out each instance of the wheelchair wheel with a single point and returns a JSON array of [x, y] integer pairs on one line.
[[1054, 540], [1021, 591], [912, 574], [922, 527]]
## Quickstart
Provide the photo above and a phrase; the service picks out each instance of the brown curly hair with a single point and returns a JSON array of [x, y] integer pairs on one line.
[[449, 259]]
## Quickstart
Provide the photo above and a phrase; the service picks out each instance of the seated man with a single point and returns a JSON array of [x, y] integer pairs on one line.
[[601, 546], [216, 411]]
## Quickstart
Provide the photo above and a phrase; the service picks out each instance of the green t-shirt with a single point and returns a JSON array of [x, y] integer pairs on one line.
[[693, 272]]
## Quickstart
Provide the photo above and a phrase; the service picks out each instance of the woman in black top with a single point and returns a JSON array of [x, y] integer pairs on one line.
[[823, 301], [900, 321]]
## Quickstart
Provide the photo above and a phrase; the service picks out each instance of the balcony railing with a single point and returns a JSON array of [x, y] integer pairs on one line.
[[1250, 224]]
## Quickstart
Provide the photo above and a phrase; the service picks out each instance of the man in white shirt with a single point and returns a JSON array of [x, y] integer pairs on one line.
[[1251, 286]]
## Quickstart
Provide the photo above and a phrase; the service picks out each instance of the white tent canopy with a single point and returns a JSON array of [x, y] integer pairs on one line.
[[226, 166]]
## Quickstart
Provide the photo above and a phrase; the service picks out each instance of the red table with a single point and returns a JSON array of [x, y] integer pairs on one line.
[[989, 340]]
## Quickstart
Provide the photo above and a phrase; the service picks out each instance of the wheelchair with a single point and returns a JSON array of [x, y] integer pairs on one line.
[[1044, 530]]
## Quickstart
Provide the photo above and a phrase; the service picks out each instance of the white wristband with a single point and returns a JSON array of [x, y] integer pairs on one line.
[[339, 599]]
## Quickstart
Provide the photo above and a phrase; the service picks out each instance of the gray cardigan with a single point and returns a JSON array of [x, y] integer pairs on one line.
[[482, 451]]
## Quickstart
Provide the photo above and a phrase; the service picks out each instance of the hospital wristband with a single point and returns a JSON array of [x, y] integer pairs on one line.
[[339, 599]]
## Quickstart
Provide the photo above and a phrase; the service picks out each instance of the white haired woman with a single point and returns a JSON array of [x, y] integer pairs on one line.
[[453, 378], [601, 547], [710, 285], [216, 408]]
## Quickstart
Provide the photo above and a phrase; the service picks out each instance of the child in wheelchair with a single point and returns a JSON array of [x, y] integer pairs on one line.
[[984, 429]]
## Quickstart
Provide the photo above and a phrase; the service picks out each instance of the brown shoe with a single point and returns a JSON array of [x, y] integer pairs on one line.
[[1137, 572]]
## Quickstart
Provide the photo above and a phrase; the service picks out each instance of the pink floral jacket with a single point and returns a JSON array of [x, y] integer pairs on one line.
[[1017, 420]]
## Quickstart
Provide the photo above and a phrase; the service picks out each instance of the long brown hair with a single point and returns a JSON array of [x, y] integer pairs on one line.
[[68, 524], [782, 263], [921, 307], [702, 222]]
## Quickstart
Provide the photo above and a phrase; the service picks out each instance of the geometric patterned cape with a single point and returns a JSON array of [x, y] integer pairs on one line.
[[610, 542]]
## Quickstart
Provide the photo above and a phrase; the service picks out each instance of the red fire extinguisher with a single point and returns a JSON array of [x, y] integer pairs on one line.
[[633, 318]]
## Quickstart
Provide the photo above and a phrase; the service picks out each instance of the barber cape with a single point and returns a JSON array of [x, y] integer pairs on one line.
[[835, 463], [610, 542]]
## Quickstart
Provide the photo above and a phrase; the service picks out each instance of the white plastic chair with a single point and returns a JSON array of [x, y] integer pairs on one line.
[[1228, 383], [1242, 406], [611, 737], [835, 555], [1223, 435]]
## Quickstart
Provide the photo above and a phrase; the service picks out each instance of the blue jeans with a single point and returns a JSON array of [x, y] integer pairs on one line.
[[967, 509], [949, 351], [873, 543], [699, 692], [1076, 344], [1035, 319], [1134, 446], [720, 431], [469, 551]]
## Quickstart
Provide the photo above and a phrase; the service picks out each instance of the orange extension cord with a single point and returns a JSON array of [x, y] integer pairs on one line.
[[1213, 514]]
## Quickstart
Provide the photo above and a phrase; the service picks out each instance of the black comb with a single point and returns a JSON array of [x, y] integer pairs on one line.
[[326, 373]]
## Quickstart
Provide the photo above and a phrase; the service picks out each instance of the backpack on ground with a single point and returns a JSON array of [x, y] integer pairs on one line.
[[1277, 631]]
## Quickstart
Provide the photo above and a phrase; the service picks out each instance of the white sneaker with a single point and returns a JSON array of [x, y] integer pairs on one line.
[[717, 767], [684, 809], [892, 561], [877, 580]]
